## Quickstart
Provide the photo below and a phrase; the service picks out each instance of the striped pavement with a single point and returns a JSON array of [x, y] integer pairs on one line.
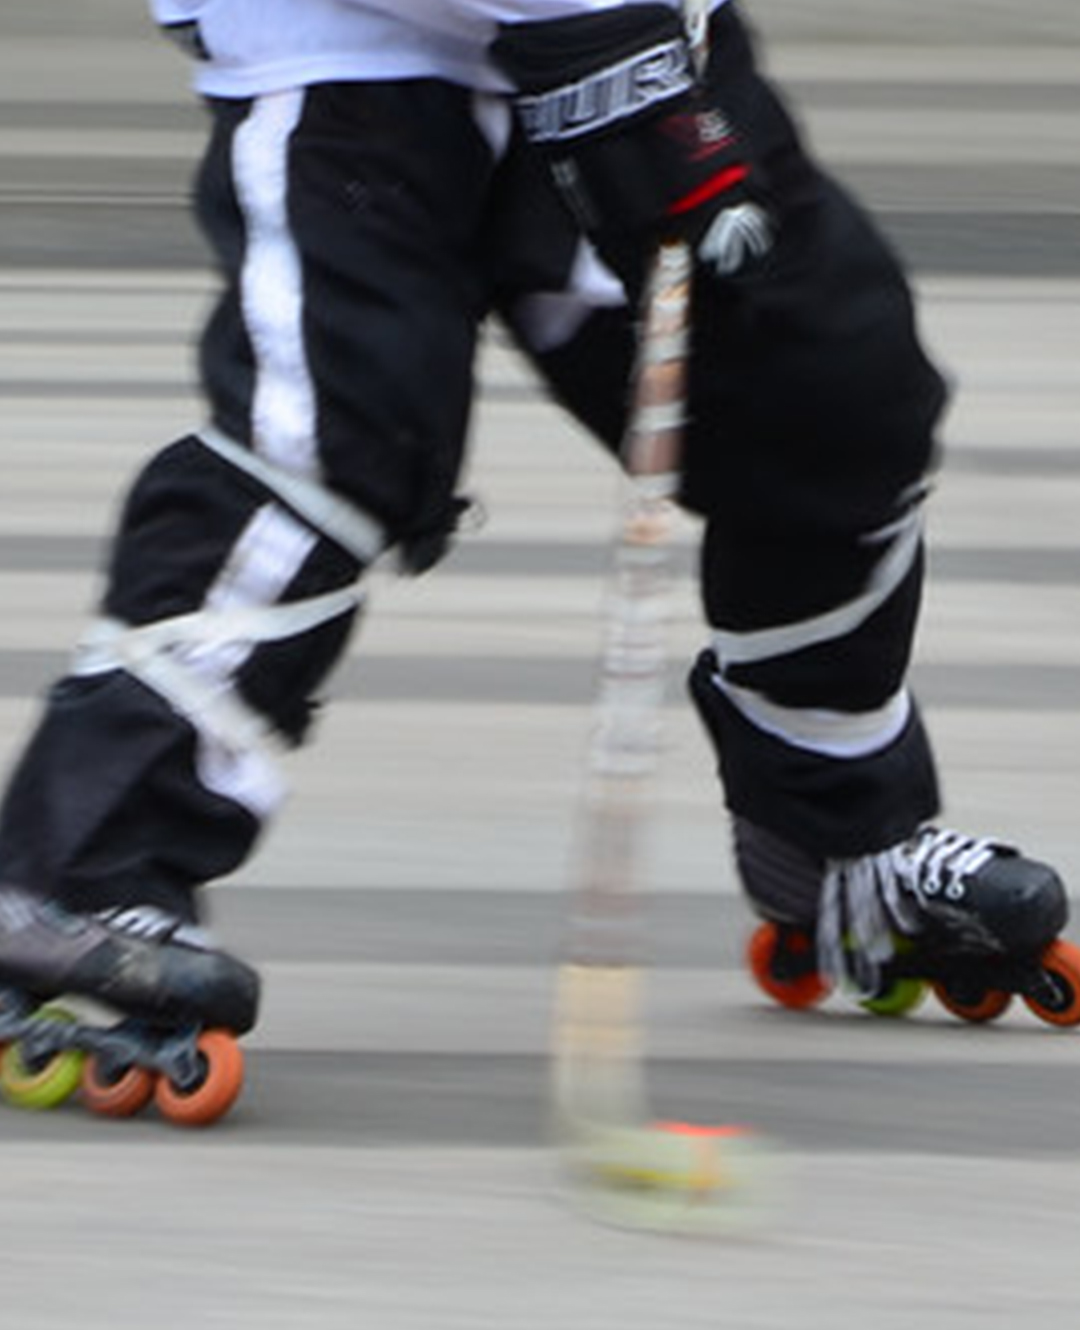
[[384, 1168]]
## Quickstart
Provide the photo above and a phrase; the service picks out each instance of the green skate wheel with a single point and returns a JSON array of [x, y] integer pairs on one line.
[[897, 999], [41, 1087]]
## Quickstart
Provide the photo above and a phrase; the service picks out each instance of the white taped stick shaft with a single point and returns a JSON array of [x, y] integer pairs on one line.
[[654, 442]]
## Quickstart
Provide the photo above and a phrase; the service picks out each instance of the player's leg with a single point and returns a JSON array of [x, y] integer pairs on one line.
[[815, 411], [337, 367], [813, 417]]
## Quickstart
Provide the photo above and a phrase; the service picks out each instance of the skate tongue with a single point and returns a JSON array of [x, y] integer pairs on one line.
[[152, 924]]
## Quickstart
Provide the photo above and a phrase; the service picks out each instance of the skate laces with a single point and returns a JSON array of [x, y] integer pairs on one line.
[[18, 910], [868, 901], [151, 924]]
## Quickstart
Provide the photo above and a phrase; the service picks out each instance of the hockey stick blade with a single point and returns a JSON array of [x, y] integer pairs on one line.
[[619, 1167]]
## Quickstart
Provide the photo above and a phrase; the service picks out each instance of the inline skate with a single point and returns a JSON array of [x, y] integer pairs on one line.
[[982, 925], [166, 1010]]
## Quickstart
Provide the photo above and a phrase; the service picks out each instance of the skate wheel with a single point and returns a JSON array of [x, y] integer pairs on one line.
[[222, 1063], [117, 1096], [772, 950], [898, 998], [974, 1006], [1061, 968], [46, 1086]]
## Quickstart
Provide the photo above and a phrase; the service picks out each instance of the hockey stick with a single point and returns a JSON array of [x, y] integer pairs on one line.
[[622, 1166]]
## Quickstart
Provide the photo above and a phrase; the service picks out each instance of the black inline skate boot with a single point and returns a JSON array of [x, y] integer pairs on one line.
[[971, 918], [182, 1003]]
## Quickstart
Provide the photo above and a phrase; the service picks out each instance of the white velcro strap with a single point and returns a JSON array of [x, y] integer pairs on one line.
[[341, 521], [110, 644], [767, 643], [842, 734], [215, 710]]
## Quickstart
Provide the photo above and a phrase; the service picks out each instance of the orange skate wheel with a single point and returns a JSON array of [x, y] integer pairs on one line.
[[986, 1007], [1061, 966], [222, 1062], [767, 945], [120, 1096]]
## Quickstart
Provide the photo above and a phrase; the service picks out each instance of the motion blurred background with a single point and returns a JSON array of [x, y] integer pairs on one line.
[[386, 1166]]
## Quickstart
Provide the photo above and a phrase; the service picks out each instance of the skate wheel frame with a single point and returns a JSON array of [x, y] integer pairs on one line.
[[781, 960], [47, 1054]]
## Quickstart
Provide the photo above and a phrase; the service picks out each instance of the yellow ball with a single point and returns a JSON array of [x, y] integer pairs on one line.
[[673, 1177]]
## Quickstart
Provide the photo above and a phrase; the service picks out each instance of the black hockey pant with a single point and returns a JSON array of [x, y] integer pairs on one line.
[[356, 228], [337, 364], [812, 432]]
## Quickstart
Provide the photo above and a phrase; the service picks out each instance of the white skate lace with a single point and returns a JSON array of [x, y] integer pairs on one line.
[[866, 902], [17, 910], [155, 925]]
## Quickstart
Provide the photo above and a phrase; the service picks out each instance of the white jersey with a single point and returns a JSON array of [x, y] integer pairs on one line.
[[257, 46]]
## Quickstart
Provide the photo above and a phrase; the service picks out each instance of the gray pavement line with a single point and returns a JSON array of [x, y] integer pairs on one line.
[[513, 680], [76, 283], [480, 556], [102, 389], [80, 337], [569, 680], [36, 196], [385, 1100], [435, 925], [824, 88], [962, 241], [105, 114], [161, 279], [30, 556]]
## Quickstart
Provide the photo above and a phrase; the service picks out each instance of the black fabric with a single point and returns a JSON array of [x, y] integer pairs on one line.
[[387, 190], [104, 809], [813, 408], [857, 671], [538, 55], [178, 526], [813, 417], [637, 146], [828, 807]]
